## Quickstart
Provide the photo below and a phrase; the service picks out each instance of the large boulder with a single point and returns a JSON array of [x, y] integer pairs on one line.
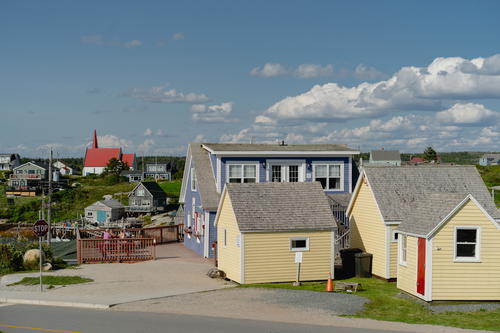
[[216, 273], [32, 258]]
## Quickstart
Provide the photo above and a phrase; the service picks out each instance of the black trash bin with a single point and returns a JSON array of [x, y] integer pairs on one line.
[[348, 262], [363, 264]]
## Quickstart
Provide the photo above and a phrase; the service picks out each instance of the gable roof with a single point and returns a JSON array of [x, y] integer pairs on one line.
[[280, 206], [42, 165], [129, 159], [112, 203], [398, 190], [260, 147], [152, 188], [205, 178], [99, 157], [385, 155]]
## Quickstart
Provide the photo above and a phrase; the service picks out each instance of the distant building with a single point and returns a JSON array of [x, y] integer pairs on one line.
[[9, 161], [133, 176], [416, 160], [385, 157], [104, 211], [96, 159], [147, 197], [490, 159], [157, 171], [63, 168]]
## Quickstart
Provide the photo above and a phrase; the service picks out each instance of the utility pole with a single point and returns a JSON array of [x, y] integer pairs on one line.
[[49, 234]]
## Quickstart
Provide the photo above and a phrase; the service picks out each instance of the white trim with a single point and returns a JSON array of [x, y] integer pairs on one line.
[[393, 236], [296, 152], [392, 222], [243, 163], [296, 249], [219, 175], [458, 207], [206, 240], [286, 163], [477, 257], [328, 163], [182, 196], [219, 207], [242, 258], [388, 235], [428, 270], [193, 176], [332, 253], [355, 193], [400, 250], [349, 173]]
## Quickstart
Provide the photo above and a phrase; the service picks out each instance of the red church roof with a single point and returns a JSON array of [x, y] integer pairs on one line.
[[129, 159], [99, 157]]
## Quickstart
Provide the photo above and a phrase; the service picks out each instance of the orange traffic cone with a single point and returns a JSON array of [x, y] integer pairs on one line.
[[329, 283]]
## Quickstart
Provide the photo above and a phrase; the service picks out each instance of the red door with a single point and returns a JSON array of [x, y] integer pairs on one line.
[[421, 267]]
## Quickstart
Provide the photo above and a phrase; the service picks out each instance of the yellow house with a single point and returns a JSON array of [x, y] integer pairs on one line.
[[385, 197], [262, 226]]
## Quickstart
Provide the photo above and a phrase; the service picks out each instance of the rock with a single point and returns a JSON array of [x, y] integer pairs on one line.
[[32, 257], [216, 273], [47, 266]]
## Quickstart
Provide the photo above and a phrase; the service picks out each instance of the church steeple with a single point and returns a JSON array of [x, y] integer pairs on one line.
[[94, 142]]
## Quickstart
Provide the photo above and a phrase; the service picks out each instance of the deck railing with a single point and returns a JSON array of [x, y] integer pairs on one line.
[[164, 234], [95, 250]]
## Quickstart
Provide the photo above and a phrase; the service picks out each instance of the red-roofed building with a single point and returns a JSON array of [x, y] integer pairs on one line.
[[97, 158]]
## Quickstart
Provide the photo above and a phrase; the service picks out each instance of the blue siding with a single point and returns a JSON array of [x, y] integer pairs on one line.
[[213, 161], [192, 242]]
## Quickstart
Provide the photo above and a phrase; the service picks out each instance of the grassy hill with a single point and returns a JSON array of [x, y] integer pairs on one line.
[[491, 177]]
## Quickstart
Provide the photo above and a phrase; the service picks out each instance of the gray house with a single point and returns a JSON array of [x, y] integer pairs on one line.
[[490, 159], [157, 171], [104, 211], [9, 161], [133, 176], [385, 157], [146, 197], [28, 179]]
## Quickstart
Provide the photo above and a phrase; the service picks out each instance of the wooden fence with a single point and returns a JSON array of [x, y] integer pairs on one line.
[[95, 250], [162, 235]]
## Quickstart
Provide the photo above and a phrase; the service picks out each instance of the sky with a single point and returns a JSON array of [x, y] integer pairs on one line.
[[152, 76]]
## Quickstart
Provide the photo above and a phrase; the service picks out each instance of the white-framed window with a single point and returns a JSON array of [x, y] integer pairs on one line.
[[140, 192], [467, 243], [286, 171], [242, 173], [193, 180], [403, 245], [330, 175], [298, 244], [395, 236]]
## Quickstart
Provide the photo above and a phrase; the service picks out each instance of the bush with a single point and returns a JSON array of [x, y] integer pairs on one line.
[[11, 256]]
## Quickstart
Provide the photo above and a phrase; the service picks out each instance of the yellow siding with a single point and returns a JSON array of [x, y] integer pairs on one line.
[[268, 257], [229, 257], [368, 231], [466, 281], [407, 275], [393, 254]]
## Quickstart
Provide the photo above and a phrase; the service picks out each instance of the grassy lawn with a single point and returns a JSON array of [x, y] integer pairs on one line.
[[491, 177], [173, 186], [52, 280], [386, 305]]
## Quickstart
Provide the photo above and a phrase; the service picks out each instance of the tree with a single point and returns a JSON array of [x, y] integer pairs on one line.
[[115, 167], [430, 154]]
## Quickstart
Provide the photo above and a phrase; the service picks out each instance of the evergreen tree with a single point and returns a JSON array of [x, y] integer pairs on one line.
[[430, 154]]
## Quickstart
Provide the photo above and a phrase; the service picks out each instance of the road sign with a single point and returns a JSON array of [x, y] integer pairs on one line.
[[40, 228]]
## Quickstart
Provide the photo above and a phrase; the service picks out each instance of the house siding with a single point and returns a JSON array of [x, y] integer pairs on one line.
[[261, 267], [194, 243], [466, 280], [407, 275], [229, 257], [368, 231], [393, 254]]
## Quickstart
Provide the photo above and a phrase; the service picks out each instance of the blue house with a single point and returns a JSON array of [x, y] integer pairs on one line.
[[209, 166]]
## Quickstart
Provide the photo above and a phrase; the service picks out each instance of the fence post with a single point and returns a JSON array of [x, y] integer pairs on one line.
[[161, 235], [154, 249]]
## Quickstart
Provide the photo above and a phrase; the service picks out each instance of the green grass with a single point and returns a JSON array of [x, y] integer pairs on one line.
[[173, 187], [52, 280], [386, 304], [491, 177]]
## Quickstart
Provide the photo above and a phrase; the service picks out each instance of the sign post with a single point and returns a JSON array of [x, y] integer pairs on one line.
[[298, 261], [40, 229]]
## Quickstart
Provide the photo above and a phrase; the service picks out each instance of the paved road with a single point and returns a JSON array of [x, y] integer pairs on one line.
[[55, 319]]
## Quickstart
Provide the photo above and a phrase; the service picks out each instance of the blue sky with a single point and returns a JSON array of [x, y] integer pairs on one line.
[[152, 76]]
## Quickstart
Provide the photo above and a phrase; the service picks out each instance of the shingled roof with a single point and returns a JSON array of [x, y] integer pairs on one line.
[[154, 189], [247, 147], [280, 206], [205, 178], [399, 190]]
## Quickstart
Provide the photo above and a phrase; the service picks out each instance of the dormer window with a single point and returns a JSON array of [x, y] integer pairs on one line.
[[242, 173], [329, 175]]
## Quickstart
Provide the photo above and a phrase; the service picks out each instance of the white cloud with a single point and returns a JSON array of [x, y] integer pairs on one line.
[[132, 44], [199, 138], [467, 114], [93, 39], [178, 36], [213, 113], [269, 70], [162, 94], [112, 141], [146, 146], [411, 88], [304, 71], [362, 72], [307, 71], [148, 132]]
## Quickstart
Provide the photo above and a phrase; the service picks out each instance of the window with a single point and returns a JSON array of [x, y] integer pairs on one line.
[[402, 250], [193, 180], [394, 236], [276, 173], [299, 244], [242, 173], [285, 171], [329, 175], [467, 244], [293, 173], [140, 192]]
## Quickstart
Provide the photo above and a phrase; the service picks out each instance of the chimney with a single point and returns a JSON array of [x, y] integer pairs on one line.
[[94, 142]]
